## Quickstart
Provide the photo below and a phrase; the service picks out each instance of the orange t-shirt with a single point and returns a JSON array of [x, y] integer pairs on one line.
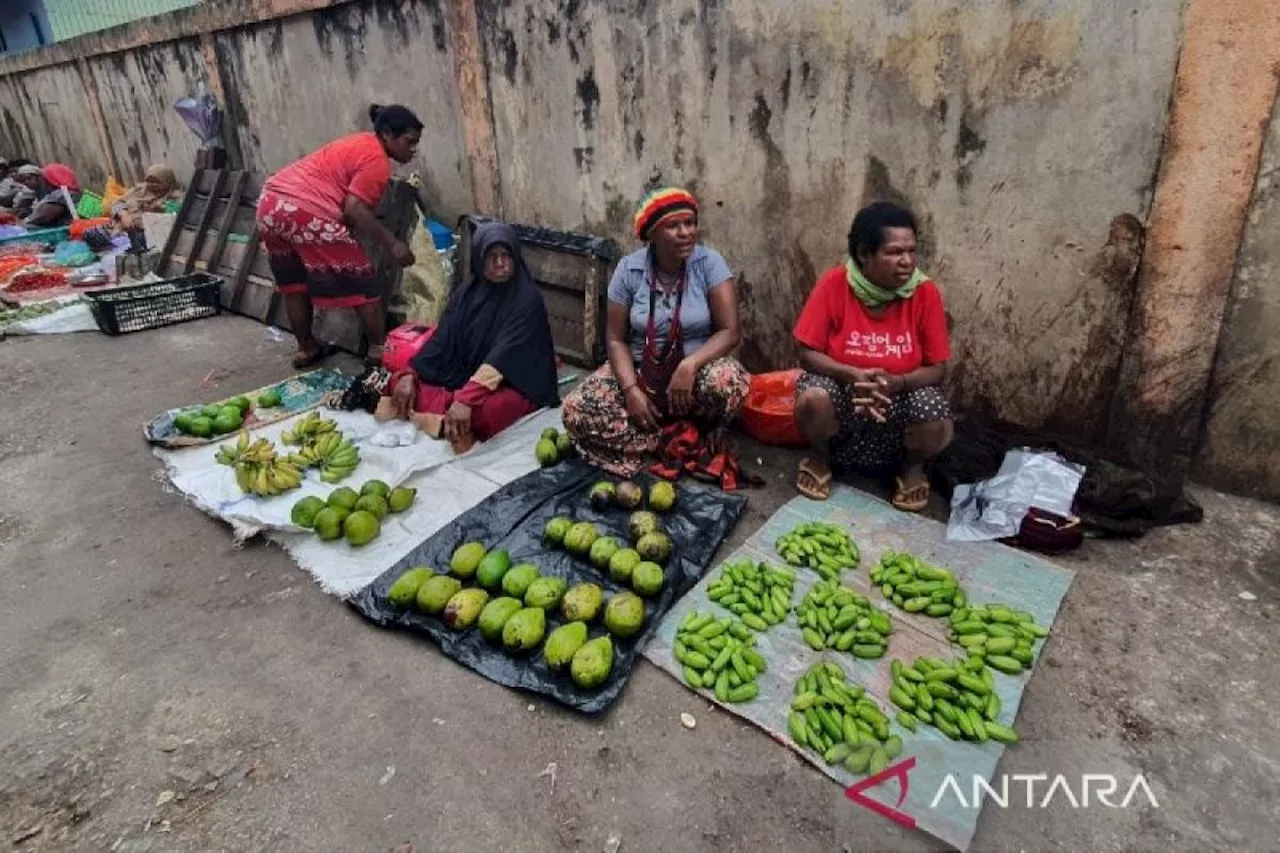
[[320, 182]]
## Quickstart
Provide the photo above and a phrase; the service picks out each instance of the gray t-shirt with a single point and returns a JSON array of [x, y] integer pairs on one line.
[[630, 287]]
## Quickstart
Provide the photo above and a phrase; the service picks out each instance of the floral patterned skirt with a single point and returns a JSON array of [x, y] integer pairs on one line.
[[314, 255], [595, 415]]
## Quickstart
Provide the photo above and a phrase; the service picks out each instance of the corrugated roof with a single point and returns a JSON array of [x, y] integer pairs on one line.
[[71, 18]]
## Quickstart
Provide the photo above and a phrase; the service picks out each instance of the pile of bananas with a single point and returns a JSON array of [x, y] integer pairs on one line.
[[321, 446], [259, 471]]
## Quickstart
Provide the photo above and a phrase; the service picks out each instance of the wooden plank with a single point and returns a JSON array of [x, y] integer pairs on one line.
[[234, 201], [166, 254], [206, 216], [237, 281]]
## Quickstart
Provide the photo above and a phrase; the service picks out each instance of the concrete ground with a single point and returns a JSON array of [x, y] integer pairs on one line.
[[162, 690]]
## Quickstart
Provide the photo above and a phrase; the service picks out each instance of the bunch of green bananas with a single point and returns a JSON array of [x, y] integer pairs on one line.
[[322, 446], [229, 454], [308, 430], [259, 471]]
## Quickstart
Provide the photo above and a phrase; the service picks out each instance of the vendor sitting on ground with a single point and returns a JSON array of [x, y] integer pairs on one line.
[[51, 209], [306, 217], [29, 186], [159, 187], [872, 339], [672, 325], [491, 361], [10, 187]]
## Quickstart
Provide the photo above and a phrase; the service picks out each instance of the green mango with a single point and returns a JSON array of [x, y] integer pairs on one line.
[[555, 530], [546, 454], [623, 564], [549, 434], [624, 614], [592, 663], [662, 496], [564, 446], [563, 643], [545, 593], [494, 565], [525, 629], [580, 538], [582, 603], [466, 559], [655, 547], [602, 551], [601, 495], [404, 591], [464, 608], [435, 592], [629, 495], [495, 615], [641, 523], [647, 579], [515, 582]]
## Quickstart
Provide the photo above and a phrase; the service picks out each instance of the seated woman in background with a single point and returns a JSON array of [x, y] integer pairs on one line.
[[872, 339], [55, 185], [491, 361], [10, 187], [672, 325], [309, 215], [159, 187], [25, 184]]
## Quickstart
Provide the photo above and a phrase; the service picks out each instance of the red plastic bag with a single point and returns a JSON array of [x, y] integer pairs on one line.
[[770, 413]]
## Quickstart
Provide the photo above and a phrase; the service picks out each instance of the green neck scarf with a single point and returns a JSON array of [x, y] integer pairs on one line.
[[873, 295]]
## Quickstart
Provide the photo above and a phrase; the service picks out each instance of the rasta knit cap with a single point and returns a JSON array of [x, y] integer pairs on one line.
[[660, 204]]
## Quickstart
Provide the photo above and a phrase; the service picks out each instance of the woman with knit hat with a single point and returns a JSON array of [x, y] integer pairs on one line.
[[672, 325]]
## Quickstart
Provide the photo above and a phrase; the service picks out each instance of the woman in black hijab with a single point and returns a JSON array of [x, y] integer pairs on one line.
[[491, 361]]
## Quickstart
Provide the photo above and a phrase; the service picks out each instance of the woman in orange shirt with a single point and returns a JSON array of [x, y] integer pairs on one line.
[[306, 217]]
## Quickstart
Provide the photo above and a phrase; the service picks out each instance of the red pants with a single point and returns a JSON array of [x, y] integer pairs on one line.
[[497, 411]]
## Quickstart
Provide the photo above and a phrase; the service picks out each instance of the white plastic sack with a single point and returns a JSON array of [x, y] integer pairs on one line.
[[994, 508]]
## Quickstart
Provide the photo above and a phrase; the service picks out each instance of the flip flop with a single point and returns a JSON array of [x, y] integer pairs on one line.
[[322, 352], [910, 499], [821, 488]]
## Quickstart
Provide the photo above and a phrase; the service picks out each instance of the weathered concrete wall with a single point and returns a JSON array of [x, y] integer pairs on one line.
[[295, 83], [1241, 446], [45, 116], [138, 89], [1224, 93], [1025, 135]]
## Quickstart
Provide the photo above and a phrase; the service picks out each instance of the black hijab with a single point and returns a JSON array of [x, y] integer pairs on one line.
[[503, 325]]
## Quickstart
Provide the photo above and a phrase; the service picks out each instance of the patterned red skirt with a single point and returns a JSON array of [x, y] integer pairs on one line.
[[314, 255]]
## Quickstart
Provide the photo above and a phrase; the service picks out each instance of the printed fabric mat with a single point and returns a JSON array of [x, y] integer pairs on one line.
[[297, 394], [514, 518], [989, 572]]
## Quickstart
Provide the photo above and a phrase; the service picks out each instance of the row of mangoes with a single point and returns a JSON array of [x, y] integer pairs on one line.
[[517, 619], [640, 566]]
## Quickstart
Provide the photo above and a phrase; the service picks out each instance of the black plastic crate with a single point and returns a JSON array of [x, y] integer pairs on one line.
[[162, 303]]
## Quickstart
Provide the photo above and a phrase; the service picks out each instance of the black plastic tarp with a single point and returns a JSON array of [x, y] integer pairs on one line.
[[513, 518]]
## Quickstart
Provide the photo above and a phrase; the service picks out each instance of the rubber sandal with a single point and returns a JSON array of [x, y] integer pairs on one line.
[[322, 352], [821, 490], [903, 501]]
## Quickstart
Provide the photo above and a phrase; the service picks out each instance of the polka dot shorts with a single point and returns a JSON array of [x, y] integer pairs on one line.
[[866, 444]]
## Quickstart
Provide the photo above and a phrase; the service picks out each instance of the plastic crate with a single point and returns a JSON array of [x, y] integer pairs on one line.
[[51, 236], [161, 303]]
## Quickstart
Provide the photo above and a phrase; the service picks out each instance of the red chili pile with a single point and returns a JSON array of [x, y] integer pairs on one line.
[[36, 279]]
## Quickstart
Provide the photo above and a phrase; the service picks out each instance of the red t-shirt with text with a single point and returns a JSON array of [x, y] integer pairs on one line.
[[910, 333]]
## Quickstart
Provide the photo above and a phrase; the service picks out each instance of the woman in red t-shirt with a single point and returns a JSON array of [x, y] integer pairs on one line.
[[872, 339], [306, 217]]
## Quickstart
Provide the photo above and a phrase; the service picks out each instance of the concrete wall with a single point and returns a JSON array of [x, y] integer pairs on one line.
[[1241, 447], [1025, 135], [1058, 191], [339, 61]]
